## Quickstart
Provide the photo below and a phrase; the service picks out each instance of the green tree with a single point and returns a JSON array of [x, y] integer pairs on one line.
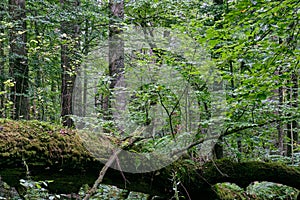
[[254, 34]]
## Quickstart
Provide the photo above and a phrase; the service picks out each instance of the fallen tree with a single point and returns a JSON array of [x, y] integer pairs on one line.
[[55, 153]]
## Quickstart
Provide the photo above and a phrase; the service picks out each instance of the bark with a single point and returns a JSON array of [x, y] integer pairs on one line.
[[116, 43], [69, 64], [2, 62], [279, 124], [18, 65], [292, 127], [85, 77], [67, 80], [295, 106], [115, 54], [218, 149], [58, 154]]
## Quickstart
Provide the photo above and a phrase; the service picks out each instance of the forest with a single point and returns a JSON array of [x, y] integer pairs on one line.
[[149, 99]]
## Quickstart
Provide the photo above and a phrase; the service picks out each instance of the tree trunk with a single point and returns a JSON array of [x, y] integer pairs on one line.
[[69, 63], [295, 107], [2, 62], [18, 60], [115, 54], [279, 124], [292, 100], [85, 76], [67, 80]]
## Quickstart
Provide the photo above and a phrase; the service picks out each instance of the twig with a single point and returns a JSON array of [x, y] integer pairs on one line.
[[223, 174], [111, 160], [119, 166], [101, 174], [188, 195]]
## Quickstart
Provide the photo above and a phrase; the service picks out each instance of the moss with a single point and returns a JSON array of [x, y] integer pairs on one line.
[[228, 191], [55, 153], [34, 140], [47, 149]]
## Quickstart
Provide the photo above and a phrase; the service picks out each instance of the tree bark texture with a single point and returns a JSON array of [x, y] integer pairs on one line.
[[115, 54], [69, 62], [2, 62], [18, 65]]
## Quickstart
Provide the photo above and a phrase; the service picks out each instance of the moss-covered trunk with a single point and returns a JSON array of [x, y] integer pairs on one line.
[[54, 153]]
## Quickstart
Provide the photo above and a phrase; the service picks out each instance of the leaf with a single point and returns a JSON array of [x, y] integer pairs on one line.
[[261, 96]]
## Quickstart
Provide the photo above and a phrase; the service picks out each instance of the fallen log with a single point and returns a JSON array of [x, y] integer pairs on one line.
[[54, 153]]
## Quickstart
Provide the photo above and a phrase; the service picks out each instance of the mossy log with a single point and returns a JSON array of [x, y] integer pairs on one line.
[[54, 153]]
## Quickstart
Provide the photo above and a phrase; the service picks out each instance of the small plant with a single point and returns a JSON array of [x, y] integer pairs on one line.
[[36, 190], [268, 190], [8, 104], [107, 192], [257, 190]]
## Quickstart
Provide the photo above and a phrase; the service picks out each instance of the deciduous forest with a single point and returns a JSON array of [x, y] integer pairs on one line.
[[148, 99]]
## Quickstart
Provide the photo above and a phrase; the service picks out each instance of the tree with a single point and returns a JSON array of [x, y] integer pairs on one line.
[[292, 99], [279, 125], [2, 57], [18, 59], [254, 40], [115, 54], [255, 56], [69, 60]]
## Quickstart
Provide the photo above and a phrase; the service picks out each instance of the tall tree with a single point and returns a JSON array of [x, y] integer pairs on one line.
[[2, 56], [115, 54], [295, 96], [279, 124], [18, 65], [69, 59], [292, 127]]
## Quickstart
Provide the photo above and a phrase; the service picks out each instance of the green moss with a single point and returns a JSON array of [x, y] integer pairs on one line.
[[35, 140], [228, 191]]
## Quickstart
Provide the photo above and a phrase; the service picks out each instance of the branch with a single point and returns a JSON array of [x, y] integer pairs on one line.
[[110, 161], [228, 132]]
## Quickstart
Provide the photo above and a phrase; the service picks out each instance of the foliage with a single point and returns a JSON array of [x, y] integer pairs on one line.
[[294, 161], [215, 170], [253, 46], [8, 192], [257, 190], [36, 190], [267, 190], [107, 192], [6, 110]]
